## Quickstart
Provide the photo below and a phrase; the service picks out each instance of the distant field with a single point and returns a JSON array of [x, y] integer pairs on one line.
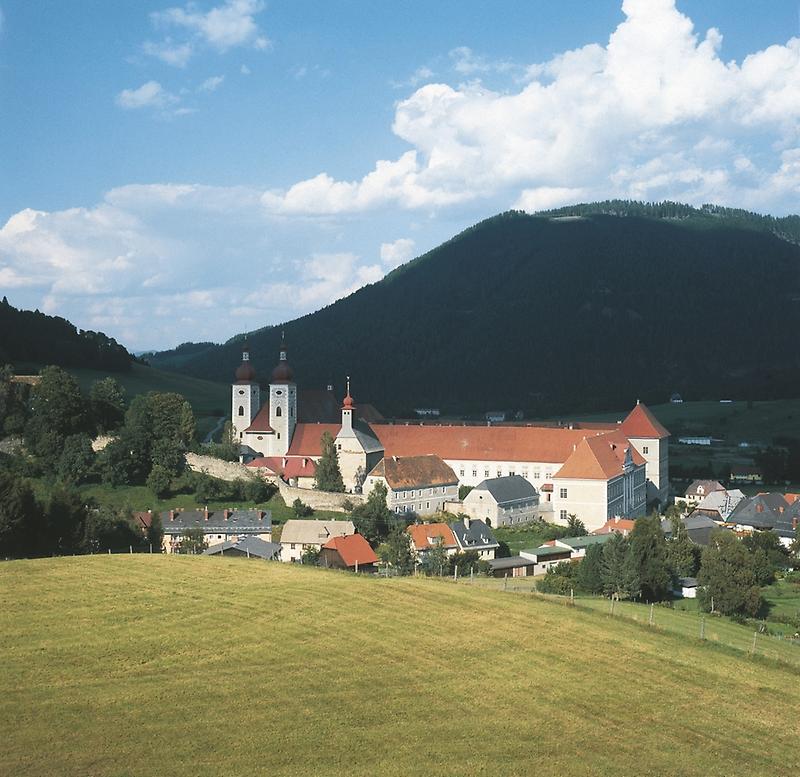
[[134, 665], [204, 396], [733, 422]]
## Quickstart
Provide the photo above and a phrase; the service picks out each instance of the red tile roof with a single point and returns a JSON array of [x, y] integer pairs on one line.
[[620, 525], [642, 423], [481, 443], [307, 439], [351, 549], [287, 466], [414, 471], [261, 422], [599, 458], [423, 533]]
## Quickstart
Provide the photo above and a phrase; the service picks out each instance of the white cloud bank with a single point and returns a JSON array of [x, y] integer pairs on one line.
[[654, 112]]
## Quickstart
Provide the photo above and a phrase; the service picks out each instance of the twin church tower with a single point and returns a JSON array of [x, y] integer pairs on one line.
[[268, 429]]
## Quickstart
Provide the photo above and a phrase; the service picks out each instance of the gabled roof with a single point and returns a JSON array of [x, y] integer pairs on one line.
[[699, 527], [758, 512], [365, 435], [255, 546], [481, 443], [723, 503], [478, 536], [641, 423], [352, 549], [600, 458], [312, 532], [427, 535], [620, 525], [578, 543], [414, 472], [261, 422], [704, 487], [307, 438], [176, 522], [512, 488], [288, 466]]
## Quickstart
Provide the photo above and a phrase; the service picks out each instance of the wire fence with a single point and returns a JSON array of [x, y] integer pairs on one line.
[[716, 629]]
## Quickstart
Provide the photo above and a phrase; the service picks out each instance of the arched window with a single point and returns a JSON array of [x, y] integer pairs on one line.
[[241, 409], [278, 411]]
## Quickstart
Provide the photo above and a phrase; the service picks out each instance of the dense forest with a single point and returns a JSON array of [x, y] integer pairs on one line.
[[28, 336], [547, 315]]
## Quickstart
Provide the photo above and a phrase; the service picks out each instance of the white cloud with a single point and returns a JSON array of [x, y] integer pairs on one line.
[[222, 28], [211, 84], [245, 71], [169, 52], [148, 95], [598, 121], [397, 253]]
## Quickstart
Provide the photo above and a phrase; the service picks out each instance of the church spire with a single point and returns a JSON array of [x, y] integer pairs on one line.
[[245, 373], [283, 373]]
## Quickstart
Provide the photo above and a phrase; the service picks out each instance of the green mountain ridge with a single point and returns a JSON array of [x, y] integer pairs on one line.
[[548, 314]]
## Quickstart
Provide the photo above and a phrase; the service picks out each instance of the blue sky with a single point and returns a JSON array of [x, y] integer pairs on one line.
[[179, 172]]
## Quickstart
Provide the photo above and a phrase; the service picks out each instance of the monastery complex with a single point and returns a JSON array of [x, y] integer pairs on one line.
[[595, 471]]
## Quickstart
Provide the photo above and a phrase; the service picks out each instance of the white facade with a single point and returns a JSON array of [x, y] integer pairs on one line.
[[655, 452], [282, 417]]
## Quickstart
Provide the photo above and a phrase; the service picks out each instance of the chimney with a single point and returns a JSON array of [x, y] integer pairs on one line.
[[759, 508], [205, 513], [466, 521], [172, 515], [225, 514], [394, 458]]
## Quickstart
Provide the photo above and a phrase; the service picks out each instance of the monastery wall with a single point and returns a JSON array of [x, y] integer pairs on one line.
[[319, 500]]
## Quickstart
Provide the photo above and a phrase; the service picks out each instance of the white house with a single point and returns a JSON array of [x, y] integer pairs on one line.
[[414, 484], [505, 501], [298, 536]]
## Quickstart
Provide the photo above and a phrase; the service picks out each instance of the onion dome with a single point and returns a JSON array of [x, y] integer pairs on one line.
[[283, 373], [348, 400], [245, 373]]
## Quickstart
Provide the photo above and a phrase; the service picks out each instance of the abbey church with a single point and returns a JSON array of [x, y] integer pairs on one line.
[[595, 471]]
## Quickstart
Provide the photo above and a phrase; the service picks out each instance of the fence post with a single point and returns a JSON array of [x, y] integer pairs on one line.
[[248, 552], [505, 582], [612, 606], [650, 622], [455, 573], [753, 648], [572, 596], [471, 574], [130, 549], [109, 551], [151, 547], [703, 627]]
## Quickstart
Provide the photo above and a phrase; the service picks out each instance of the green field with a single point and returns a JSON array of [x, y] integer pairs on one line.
[[140, 665]]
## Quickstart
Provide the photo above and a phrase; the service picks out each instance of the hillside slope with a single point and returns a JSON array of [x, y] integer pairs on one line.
[[145, 665], [31, 336], [553, 314]]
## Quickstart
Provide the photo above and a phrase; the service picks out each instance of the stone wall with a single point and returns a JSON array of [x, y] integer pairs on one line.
[[319, 500], [224, 470]]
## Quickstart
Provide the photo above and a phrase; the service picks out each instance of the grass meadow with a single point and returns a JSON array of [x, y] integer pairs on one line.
[[139, 665]]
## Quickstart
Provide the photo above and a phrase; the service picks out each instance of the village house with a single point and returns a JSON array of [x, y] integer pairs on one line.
[[623, 526], [250, 547], [475, 535], [579, 545], [699, 528], [546, 556], [719, 505], [217, 526], [300, 535], [512, 566], [350, 552], [745, 474], [594, 471], [505, 501], [699, 490], [426, 536], [414, 484]]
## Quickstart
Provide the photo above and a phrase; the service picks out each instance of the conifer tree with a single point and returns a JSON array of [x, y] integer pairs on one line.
[[590, 571], [648, 563], [328, 476]]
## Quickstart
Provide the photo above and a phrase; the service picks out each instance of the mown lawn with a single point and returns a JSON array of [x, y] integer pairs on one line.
[[136, 665]]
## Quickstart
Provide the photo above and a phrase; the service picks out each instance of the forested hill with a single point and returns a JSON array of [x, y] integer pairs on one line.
[[552, 315], [32, 337]]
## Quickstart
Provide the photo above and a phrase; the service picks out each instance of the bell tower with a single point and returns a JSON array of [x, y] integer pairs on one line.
[[282, 404], [245, 395]]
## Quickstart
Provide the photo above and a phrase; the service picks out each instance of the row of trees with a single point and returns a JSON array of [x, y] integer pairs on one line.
[[62, 523], [645, 566]]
